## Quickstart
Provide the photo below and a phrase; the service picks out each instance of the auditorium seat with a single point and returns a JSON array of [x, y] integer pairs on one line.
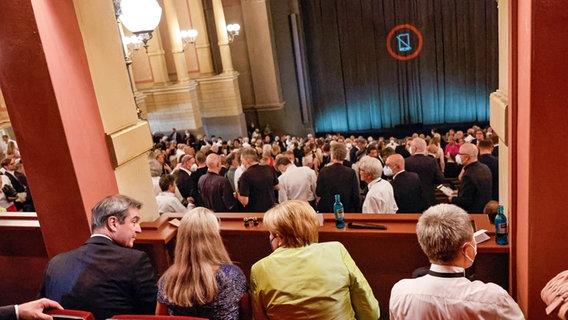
[[70, 314], [152, 317]]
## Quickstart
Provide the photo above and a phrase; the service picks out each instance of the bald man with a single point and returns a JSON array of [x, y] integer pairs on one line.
[[427, 169], [406, 185], [476, 184], [215, 190]]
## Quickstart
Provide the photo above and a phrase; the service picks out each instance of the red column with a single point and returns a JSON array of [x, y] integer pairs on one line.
[[539, 95], [48, 90]]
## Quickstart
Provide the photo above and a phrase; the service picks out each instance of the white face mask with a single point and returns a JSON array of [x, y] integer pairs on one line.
[[459, 159], [349, 146], [387, 171], [193, 167], [410, 150], [474, 250]]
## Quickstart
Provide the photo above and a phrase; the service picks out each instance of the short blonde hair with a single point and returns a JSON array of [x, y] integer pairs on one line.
[[294, 221]]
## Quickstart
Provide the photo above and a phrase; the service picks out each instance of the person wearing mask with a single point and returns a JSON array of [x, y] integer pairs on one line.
[[406, 186], [445, 234], [304, 279], [380, 198], [476, 183]]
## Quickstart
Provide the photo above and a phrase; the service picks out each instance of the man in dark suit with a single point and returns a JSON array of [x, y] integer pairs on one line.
[[485, 149], [358, 150], [29, 310], [194, 196], [475, 187], [427, 169], [336, 178], [183, 176], [105, 275], [406, 185], [19, 184]]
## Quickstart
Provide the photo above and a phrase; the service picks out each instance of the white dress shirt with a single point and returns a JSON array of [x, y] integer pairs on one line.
[[238, 173], [297, 183], [442, 296], [167, 202], [380, 198]]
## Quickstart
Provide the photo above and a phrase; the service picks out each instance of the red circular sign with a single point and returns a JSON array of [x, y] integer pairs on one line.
[[404, 57]]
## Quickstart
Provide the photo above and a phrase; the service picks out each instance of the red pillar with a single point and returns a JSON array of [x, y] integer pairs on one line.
[[49, 94], [539, 95]]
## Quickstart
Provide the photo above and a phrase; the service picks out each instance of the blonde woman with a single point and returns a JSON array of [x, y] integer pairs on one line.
[[303, 279], [202, 282]]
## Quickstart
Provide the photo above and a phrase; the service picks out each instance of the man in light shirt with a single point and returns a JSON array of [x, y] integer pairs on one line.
[[380, 198], [445, 235], [166, 199], [296, 183]]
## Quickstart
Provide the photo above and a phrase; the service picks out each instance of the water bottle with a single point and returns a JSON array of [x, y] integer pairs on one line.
[[339, 213], [501, 231]]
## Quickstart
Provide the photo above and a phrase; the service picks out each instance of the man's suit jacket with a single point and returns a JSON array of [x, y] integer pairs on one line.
[[493, 163], [8, 313], [429, 172], [408, 192], [103, 278], [183, 183], [338, 179], [16, 183], [475, 188]]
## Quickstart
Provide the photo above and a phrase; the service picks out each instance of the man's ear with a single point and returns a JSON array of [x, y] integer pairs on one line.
[[112, 223]]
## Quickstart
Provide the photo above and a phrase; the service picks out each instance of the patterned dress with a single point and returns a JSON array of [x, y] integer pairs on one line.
[[232, 286]]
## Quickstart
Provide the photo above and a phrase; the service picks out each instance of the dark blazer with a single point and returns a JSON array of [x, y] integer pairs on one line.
[[8, 313], [103, 278], [183, 183], [492, 163], [338, 179], [408, 193], [193, 188], [429, 172], [475, 188]]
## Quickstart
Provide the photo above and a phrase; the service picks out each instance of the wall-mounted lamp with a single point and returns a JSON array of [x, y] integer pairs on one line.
[[132, 44], [188, 36], [233, 31], [141, 17]]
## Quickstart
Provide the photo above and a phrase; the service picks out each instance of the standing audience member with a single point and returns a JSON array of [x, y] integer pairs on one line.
[[105, 276], [486, 157], [194, 196], [296, 183], [257, 183], [445, 235], [427, 169], [303, 279], [406, 186], [182, 176], [358, 151], [166, 199], [202, 282], [476, 186], [338, 179], [8, 169], [380, 198], [29, 310], [233, 163], [215, 190]]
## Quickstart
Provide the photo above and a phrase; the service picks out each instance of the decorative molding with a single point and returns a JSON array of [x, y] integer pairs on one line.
[[265, 106], [127, 144], [499, 119]]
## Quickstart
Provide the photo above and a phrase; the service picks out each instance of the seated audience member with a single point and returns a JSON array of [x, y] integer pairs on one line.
[[105, 276], [406, 186], [202, 282], [166, 199], [29, 310], [491, 209], [303, 279], [380, 198], [445, 235]]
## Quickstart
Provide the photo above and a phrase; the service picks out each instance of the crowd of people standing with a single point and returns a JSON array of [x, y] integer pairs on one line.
[[371, 175]]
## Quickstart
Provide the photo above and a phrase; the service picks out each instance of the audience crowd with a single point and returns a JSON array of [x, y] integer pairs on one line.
[[371, 175], [290, 179]]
